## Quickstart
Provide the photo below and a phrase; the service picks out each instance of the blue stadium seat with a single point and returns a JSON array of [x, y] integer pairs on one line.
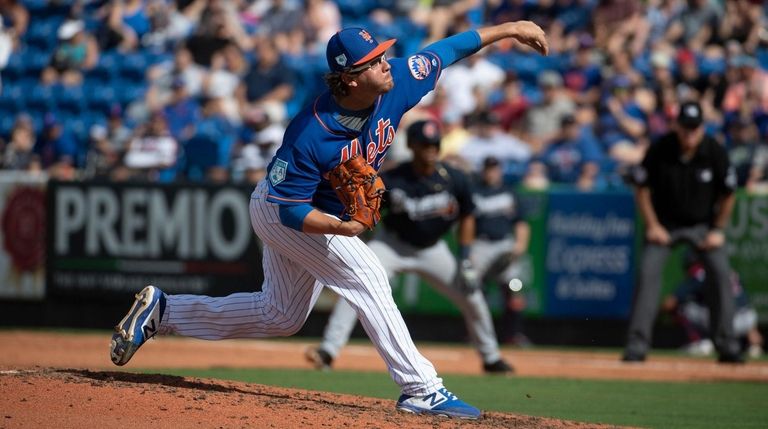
[[35, 60], [12, 97], [70, 99], [41, 98], [133, 67], [99, 97], [41, 34]]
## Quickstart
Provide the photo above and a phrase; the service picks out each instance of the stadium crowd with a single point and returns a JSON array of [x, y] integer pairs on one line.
[[202, 89]]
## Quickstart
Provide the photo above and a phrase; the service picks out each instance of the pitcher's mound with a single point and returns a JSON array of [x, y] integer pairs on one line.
[[74, 398]]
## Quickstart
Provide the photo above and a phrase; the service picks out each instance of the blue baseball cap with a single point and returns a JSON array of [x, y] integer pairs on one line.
[[352, 47]]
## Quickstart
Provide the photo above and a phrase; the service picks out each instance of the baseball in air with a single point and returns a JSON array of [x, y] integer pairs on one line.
[[515, 285]]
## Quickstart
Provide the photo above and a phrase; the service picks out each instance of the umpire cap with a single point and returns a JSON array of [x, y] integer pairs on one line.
[[424, 132], [690, 115]]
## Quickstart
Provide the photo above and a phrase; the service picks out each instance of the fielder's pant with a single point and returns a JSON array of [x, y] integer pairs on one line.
[[719, 294], [436, 265], [296, 268], [489, 257]]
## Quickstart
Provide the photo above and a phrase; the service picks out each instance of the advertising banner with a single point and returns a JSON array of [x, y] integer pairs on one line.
[[590, 254], [107, 238], [22, 256], [748, 248]]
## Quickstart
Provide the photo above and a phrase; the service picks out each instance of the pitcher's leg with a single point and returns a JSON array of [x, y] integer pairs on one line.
[[646, 301], [341, 322], [275, 311], [360, 279]]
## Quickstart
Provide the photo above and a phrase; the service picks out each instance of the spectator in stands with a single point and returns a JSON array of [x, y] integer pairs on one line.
[[622, 123], [697, 24], [543, 119], [6, 47], [210, 148], [660, 14], [487, 139], [689, 73], [748, 87], [619, 26], [742, 22], [114, 33], [152, 153], [103, 161], [583, 76], [182, 112], [118, 133], [322, 19], [162, 75], [77, 52], [455, 136], [513, 106], [228, 67], [572, 158], [269, 83], [748, 155], [18, 153], [170, 23], [15, 17], [57, 149], [212, 34], [280, 23], [251, 165], [469, 82]]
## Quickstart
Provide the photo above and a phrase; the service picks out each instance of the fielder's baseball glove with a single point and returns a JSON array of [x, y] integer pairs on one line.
[[359, 188]]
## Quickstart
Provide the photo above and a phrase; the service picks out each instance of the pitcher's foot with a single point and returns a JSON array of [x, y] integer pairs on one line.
[[140, 324], [440, 403]]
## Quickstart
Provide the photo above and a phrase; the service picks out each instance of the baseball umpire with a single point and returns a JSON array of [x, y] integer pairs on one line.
[[322, 192], [685, 195], [425, 200]]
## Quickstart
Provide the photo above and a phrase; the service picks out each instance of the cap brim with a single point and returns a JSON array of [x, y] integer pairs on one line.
[[376, 52]]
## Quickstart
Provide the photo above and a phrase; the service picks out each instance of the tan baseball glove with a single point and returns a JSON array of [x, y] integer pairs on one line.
[[359, 188]]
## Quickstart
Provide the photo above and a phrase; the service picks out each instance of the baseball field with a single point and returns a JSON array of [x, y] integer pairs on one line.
[[66, 380]]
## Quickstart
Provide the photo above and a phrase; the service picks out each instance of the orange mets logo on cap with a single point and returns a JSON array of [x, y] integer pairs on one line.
[[366, 36]]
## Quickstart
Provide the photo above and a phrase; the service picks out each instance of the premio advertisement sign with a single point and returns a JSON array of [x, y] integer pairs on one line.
[[107, 238]]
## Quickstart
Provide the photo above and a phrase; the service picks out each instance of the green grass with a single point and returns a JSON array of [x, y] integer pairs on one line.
[[632, 403]]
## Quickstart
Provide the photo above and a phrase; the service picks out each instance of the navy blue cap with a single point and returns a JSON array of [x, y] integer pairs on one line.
[[424, 132], [352, 47]]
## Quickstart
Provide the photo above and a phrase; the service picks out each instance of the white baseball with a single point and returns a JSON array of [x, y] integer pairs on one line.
[[515, 285]]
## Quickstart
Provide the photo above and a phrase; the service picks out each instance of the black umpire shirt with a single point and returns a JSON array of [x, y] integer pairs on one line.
[[422, 209], [686, 192]]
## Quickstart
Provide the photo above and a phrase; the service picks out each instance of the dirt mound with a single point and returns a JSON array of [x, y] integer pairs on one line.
[[77, 398]]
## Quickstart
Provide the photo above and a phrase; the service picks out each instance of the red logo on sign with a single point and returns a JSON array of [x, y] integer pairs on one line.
[[24, 228]]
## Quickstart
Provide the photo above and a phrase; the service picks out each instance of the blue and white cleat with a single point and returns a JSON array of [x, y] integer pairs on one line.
[[140, 324], [440, 403]]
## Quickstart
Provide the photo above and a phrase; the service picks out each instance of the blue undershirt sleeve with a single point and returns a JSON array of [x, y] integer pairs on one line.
[[456, 47], [293, 216]]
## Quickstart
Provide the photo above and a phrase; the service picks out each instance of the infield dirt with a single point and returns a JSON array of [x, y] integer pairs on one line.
[[67, 380]]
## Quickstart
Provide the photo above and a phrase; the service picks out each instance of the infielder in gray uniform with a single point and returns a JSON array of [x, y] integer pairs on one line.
[[499, 252], [425, 200]]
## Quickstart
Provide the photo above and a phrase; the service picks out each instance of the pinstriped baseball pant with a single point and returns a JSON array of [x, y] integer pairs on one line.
[[296, 267]]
